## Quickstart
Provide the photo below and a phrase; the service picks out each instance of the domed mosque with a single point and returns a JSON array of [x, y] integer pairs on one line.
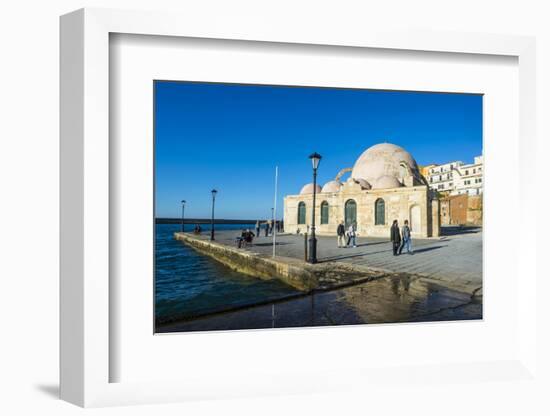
[[384, 184]]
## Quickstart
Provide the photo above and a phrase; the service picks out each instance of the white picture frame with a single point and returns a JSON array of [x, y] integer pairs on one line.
[[85, 211]]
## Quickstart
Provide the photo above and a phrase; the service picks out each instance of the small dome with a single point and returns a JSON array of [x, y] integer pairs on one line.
[[332, 186], [386, 182], [364, 184], [384, 159], [308, 189]]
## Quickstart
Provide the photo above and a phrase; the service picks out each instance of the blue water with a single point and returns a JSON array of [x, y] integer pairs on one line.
[[188, 284]]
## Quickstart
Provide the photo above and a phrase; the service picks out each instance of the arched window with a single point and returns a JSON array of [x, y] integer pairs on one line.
[[302, 213], [350, 211], [379, 212], [324, 212]]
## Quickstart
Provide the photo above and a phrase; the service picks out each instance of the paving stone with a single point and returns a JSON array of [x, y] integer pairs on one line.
[[455, 259]]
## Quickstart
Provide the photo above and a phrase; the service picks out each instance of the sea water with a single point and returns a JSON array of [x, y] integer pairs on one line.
[[189, 284]]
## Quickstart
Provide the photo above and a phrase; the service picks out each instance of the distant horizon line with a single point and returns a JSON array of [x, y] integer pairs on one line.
[[169, 220]]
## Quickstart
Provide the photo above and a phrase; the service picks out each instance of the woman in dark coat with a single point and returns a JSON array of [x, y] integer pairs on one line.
[[395, 237]]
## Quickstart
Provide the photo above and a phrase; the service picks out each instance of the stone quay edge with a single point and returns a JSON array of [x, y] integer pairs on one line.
[[295, 273]]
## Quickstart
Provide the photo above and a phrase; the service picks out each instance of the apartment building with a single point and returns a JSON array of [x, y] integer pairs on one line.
[[456, 178]]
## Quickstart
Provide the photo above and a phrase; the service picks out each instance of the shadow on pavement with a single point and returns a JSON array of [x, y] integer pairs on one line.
[[336, 258], [270, 244], [373, 244], [389, 250], [422, 250], [457, 230]]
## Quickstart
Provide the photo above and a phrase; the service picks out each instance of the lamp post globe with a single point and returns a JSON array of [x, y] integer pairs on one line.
[[214, 192], [183, 215], [312, 258]]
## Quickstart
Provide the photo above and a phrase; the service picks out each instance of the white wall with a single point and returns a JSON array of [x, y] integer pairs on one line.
[[29, 207]]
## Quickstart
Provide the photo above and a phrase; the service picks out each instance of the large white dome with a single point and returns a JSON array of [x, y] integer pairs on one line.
[[386, 182], [308, 189], [384, 159], [332, 186]]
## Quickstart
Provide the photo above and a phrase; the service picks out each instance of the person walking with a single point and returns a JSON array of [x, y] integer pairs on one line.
[[352, 232], [258, 228], [406, 238], [395, 237], [267, 229], [341, 232]]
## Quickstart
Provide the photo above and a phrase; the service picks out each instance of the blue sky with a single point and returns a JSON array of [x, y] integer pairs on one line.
[[231, 137]]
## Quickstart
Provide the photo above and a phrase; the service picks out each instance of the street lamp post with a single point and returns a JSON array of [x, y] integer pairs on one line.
[[182, 215], [315, 159], [214, 192]]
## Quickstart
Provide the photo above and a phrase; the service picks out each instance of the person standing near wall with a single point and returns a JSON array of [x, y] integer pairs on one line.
[[341, 232], [395, 237]]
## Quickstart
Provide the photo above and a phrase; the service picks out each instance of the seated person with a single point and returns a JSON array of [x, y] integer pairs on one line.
[[249, 236]]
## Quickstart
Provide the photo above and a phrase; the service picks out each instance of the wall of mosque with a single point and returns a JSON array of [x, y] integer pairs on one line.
[[404, 203]]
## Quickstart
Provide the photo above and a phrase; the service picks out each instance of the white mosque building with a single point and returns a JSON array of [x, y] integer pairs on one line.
[[385, 185]]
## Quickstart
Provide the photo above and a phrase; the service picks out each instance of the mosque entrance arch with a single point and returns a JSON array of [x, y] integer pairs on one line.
[[415, 219], [350, 212]]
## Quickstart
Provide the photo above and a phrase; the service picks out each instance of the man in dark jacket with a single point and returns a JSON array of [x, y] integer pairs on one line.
[[341, 232], [395, 237]]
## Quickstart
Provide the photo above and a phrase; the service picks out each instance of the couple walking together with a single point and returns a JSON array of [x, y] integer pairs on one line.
[[351, 234], [401, 239]]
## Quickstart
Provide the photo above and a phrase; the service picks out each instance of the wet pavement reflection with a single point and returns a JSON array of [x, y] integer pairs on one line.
[[393, 299]]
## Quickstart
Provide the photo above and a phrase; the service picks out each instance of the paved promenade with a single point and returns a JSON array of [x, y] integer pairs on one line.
[[454, 259]]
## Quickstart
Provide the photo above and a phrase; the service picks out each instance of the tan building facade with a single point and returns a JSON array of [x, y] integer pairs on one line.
[[385, 185], [462, 209]]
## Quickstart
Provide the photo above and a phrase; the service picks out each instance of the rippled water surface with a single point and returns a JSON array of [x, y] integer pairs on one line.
[[189, 284]]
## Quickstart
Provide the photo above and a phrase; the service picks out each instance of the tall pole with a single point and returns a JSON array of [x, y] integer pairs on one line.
[[212, 219], [272, 224], [274, 213], [312, 239], [315, 159], [182, 216]]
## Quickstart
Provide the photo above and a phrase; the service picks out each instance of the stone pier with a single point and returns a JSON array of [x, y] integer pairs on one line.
[[294, 272]]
